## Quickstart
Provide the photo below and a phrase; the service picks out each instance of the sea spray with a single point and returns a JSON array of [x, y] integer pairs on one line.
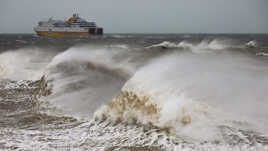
[[86, 77], [25, 63], [187, 93]]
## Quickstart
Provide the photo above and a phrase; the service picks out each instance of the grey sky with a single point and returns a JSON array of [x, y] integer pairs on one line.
[[142, 16]]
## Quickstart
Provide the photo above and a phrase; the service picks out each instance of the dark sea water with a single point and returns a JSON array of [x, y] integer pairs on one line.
[[172, 92]]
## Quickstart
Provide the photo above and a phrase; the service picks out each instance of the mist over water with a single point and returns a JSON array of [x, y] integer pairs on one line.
[[165, 91]]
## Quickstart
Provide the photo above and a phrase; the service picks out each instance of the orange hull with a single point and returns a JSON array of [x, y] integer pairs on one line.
[[62, 34]]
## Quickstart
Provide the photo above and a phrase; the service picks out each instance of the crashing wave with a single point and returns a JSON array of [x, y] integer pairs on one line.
[[24, 64], [172, 95], [252, 44], [172, 45], [203, 46], [94, 74], [164, 45], [213, 45], [129, 107], [262, 54], [93, 58]]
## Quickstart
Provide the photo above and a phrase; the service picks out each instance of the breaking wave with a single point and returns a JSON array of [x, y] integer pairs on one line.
[[262, 54], [86, 77], [170, 93], [252, 44], [203, 46], [24, 64]]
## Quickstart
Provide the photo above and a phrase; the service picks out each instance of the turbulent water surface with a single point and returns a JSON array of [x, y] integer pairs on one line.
[[134, 92]]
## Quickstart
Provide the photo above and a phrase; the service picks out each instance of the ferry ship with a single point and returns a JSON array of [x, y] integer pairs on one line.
[[73, 27]]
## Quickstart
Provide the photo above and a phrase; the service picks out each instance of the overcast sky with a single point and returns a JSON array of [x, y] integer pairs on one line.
[[142, 16]]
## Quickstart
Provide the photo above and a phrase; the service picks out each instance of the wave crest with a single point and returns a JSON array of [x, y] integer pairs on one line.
[[169, 93], [128, 106], [173, 117], [203, 46]]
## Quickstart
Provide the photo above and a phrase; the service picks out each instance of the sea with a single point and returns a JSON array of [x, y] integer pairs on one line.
[[134, 92]]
